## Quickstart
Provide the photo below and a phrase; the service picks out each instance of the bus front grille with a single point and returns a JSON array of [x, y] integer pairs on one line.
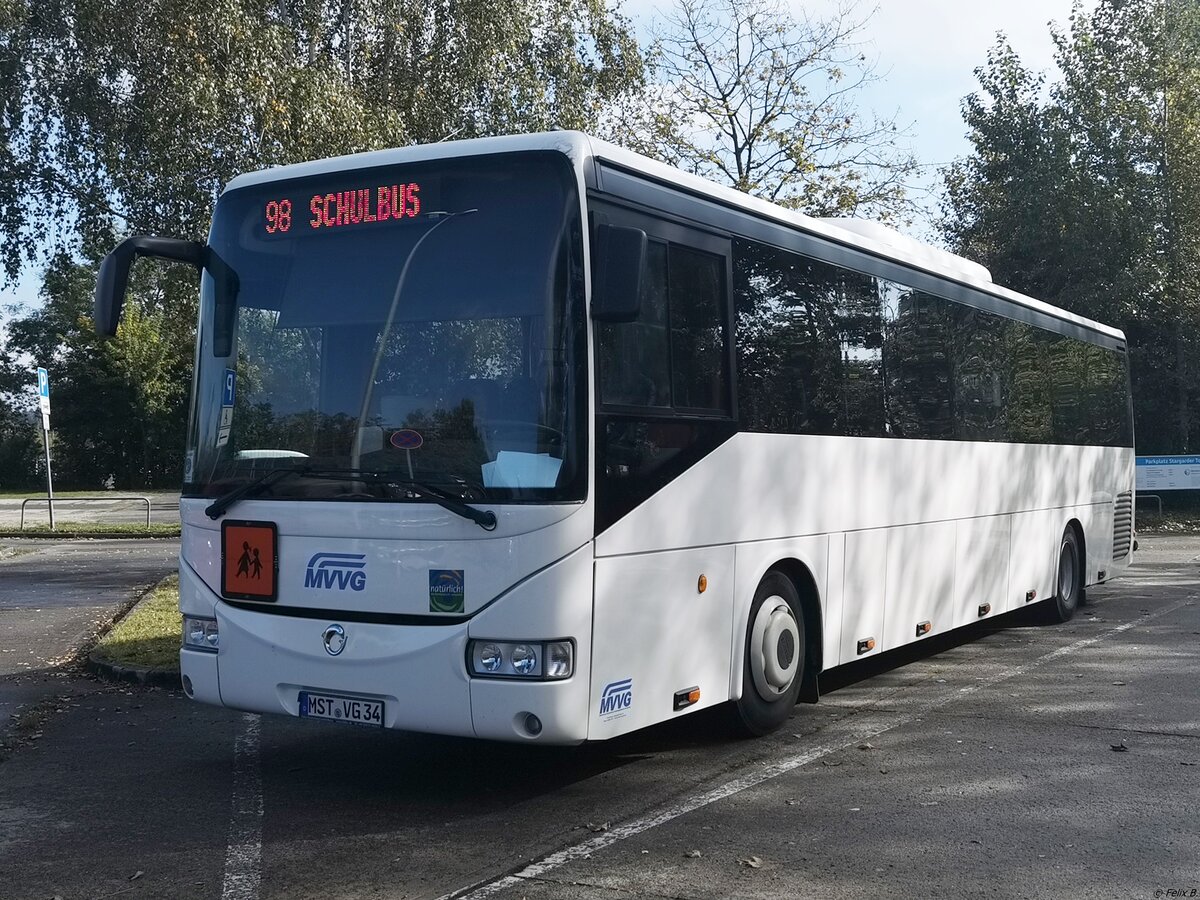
[[1122, 525]]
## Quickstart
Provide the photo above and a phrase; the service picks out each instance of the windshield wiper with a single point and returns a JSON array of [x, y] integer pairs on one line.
[[485, 519], [251, 488]]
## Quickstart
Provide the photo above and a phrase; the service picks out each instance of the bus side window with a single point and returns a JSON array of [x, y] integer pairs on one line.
[[635, 356]]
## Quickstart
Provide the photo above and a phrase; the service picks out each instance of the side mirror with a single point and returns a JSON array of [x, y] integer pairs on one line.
[[113, 279], [618, 269]]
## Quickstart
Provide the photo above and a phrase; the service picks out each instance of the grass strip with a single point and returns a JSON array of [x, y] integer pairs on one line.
[[150, 633], [71, 529]]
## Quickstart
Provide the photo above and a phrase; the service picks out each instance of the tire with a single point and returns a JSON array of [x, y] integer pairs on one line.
[[1068, 592], [773, 657]]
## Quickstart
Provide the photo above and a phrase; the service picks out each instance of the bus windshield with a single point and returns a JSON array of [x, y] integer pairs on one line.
[[422, 322]]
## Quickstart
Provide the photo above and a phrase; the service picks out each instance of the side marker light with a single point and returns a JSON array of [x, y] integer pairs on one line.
[[866, 645], [985, 608], [686, 697], [924, 628], [701, 584], [1030, 596]]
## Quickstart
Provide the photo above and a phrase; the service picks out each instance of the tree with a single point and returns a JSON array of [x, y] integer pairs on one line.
[[745, 94], [117, 120], [1090, 198]]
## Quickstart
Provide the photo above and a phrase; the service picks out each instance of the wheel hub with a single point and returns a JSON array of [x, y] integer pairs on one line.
[[774, 648]]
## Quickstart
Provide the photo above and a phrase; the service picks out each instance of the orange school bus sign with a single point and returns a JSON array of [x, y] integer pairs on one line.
[[249, 561]]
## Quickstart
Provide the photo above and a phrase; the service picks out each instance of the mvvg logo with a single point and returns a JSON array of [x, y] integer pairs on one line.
[[616, 698], [336, 571]]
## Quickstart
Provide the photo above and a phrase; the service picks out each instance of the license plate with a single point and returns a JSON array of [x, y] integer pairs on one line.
[[355, 710]]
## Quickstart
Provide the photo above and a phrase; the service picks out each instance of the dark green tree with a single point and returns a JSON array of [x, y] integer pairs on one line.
[[118, 120]]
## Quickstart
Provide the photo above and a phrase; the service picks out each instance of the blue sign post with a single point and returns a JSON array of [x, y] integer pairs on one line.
[[43, 387]]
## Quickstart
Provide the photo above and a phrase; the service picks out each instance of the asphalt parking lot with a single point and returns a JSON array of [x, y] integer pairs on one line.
[[1017, 761]]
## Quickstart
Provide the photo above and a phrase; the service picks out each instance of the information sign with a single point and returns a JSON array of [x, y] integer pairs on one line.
[[1167, 473]]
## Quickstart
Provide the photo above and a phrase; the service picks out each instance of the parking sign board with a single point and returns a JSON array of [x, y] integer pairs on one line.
[[43, 381]]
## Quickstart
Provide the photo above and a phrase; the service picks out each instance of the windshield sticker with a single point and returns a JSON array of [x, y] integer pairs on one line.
[[447, 590], [228, 386], [406, 439], [616, 699]]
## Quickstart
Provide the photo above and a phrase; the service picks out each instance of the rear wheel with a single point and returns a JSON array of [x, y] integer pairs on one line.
[[774, 658], [1069, 585]]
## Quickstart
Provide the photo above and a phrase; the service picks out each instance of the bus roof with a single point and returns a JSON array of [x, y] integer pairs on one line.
[[867, 236]]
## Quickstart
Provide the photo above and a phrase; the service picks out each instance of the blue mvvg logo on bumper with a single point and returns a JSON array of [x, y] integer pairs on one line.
[[336, 571], [616, 698]]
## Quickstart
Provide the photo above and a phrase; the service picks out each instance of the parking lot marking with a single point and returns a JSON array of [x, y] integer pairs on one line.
[[586, 848], [243, 856]]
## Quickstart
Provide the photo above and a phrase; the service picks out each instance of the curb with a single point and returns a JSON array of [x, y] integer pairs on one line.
[[168, 678]]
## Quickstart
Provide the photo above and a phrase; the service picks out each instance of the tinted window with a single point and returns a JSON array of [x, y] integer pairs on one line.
[[698, 357], [825, 350], [674, 355], [918, 349], [662, 378], [808, 345], [635, 356]]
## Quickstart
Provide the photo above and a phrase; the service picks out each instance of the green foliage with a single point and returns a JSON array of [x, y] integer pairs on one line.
[[118, 119], [1089, 197]]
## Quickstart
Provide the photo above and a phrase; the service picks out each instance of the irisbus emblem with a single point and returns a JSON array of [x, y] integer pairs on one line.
[[336, 572], [616, 698]]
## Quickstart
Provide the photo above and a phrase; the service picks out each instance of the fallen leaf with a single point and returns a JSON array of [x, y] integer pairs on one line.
[[592, 826], [831, 762], [1118, 684], [866, 746], [136, 875], [1120, 748], [751, 862], [692, 854]]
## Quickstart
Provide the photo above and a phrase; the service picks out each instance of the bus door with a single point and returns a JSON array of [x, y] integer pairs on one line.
[[664, 402]]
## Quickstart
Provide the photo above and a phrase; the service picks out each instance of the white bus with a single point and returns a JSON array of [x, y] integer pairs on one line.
[[533, 438]]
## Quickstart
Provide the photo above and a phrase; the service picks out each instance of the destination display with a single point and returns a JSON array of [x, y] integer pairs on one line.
[[1167, 473], [343, 206]]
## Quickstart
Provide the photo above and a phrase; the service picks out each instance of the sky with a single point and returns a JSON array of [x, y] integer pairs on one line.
[[925, 53]]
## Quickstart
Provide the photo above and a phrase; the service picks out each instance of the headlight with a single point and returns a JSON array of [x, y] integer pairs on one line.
[[558, 660], [491, 657], [200, 634], [524, 659], [535, 660]]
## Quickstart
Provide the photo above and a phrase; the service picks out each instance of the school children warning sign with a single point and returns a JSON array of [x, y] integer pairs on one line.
[[248, 560]]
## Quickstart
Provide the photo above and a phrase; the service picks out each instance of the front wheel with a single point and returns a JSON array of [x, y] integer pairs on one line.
[[1069, 585], [774, 658]]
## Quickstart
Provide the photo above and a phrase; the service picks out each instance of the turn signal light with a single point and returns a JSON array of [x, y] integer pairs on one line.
[[1030, 596], [866, 645], [924, 628], [686, 697], [985, 608]]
